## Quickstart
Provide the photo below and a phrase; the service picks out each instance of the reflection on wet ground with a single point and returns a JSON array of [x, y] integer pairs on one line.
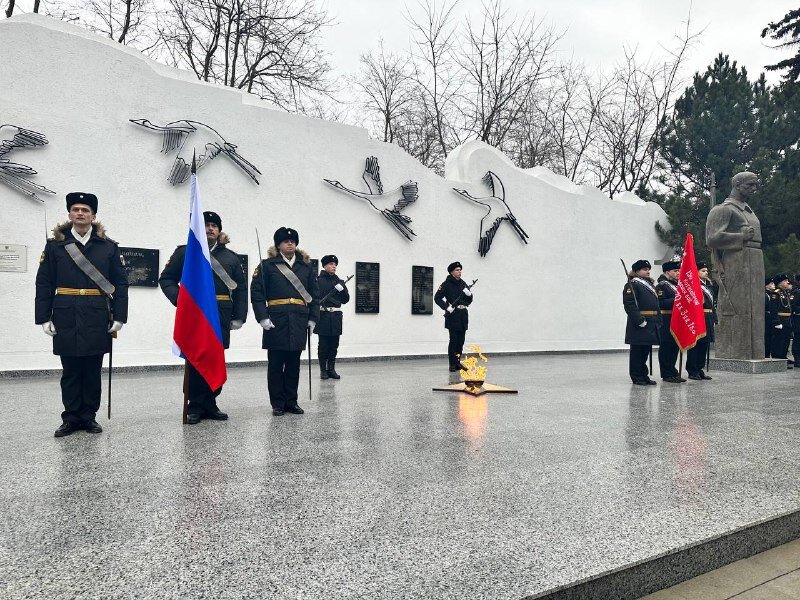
[[385, 488]]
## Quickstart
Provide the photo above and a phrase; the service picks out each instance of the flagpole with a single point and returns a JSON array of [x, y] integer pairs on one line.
[[185, 419]]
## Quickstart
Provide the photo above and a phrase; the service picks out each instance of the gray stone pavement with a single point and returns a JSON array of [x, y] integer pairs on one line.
[[385, 489]]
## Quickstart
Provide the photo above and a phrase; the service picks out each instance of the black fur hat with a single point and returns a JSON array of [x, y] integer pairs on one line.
[[86, 198]]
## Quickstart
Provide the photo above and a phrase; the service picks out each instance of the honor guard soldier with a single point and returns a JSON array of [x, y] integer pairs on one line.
[[640, 300], [668, 348], [696, 357], [81, 302], [285, 300], [780, 313], [453, 297], [769, 286], [230, 286], [794, 300], [333, 294]]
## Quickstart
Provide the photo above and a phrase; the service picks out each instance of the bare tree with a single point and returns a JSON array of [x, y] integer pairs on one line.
[[10, 8], [385, 83], [642, 94], [125, 21], [267, 47], [434, 71], [503, 64]]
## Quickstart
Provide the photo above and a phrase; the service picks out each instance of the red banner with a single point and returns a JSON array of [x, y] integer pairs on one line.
[[688, 323]]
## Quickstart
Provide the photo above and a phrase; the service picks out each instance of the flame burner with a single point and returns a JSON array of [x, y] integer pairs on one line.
[[474, 377]]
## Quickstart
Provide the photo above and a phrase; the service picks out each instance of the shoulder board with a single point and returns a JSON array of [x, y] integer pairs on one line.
[[41, 258], [257, 271], [628, 290], [660, 292]]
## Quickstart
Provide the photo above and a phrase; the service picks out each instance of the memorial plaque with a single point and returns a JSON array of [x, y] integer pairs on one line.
[[13, 258], [421, 290], [368, 279], [315, 266], [244, 260], [141, 264]]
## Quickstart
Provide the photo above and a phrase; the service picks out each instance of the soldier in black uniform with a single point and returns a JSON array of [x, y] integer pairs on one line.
[[696, 356], [285, 301], [780, 313], [333, 294], [668, 348], [769, 286], [642, 329], [230, 285], [794, 299], [453, 297], [81, 302]]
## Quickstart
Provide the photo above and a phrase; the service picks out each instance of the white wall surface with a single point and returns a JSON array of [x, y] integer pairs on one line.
[[562, 291]]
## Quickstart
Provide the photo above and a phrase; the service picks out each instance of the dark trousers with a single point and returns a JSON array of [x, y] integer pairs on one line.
[[328, 347], [780, 341], [668, 355], [637, 362], [283, 376], [80, 387], [767, 336], [796, 338], [202, 399], [696, 357], [456, 346]]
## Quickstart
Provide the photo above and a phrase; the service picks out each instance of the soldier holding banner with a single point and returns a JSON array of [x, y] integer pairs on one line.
[[285, 300], [81, 302], [696, 357], [230, 286]]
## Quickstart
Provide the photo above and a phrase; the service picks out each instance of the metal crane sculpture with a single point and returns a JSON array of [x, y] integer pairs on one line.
[[17, 175]]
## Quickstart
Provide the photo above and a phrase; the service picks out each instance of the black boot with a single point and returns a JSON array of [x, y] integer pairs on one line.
[[332, 369], [323, 368]]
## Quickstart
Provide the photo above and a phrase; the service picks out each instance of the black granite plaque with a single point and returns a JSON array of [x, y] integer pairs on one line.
[[244, 260], [421, 290], [315, 266], [368, 279], [141, 264]]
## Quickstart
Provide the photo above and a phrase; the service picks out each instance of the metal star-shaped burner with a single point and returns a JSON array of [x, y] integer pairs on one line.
[[372, 178], [16, 175], [497, 200], [208, 143]]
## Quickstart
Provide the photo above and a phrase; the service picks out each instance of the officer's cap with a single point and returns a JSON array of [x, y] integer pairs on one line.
[[641, 264], [702, 265], [782, 277], [285, 233], [768, 280], [329, 258], [670, 265], [212, 217], [86, 198], [453, 266]]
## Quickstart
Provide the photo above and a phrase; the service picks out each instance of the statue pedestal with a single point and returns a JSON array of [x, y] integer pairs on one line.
[[751, 367]]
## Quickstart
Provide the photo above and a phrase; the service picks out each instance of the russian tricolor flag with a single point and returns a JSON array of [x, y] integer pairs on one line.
[[197, 336]]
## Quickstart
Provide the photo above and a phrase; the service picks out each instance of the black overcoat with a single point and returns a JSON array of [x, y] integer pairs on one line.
[[647, 300], [666, 291], [780, 309], [330, 323], [451, 291], [81, 322], [709, 310], [233, 307], [290, 320]]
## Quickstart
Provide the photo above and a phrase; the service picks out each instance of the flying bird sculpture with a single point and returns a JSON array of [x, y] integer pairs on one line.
[[497, 207], [206, 142], [14, 174], [376, 196]]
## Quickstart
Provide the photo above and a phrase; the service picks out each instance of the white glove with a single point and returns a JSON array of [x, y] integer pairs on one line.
[[643, 323], [49, 328], [450, 309], [115, 327], [311, 324], [339, 287], [779, 326], [466, 292], [236, 324], [266, 324]]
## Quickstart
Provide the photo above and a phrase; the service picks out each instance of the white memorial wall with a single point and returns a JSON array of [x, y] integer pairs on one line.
[[561, 291]]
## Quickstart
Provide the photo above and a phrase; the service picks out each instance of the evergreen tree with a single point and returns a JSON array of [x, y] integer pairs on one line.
[[788, 29]]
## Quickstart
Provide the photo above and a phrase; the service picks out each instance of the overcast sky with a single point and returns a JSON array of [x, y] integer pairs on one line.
[[596, 30]]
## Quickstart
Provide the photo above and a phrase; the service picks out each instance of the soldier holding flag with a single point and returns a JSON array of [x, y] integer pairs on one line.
[[81, 301], [696, 357], [230, 287], [688, 323], [668, 350]]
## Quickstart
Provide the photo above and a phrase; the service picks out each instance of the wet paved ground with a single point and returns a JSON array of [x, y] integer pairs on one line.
[[385, 489]]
